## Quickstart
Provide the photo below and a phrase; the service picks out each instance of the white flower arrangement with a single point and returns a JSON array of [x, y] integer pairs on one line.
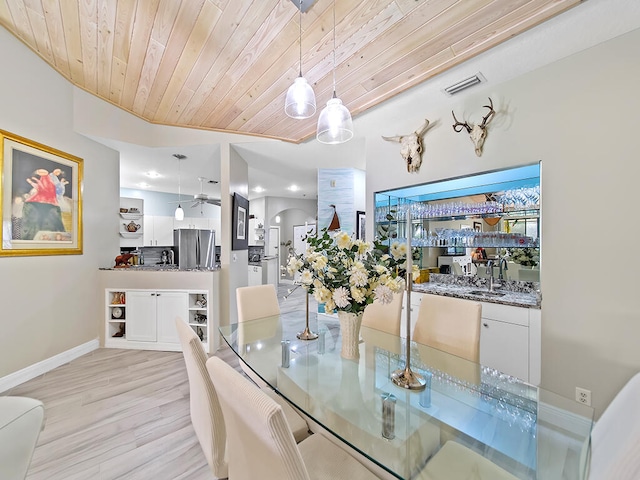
[[527, 257], [346, 274]]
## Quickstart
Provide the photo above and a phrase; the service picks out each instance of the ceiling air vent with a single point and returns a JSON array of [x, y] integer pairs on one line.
[[464, 84]]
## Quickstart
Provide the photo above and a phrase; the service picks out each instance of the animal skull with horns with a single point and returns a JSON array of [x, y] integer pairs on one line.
[[411, 147], [477, 132]]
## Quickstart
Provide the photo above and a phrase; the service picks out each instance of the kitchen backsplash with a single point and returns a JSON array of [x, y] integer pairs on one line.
[[255, 254]]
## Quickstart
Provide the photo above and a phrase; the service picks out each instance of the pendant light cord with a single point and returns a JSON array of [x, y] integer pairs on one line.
[[179, 196], [334, 49], [300, 26]]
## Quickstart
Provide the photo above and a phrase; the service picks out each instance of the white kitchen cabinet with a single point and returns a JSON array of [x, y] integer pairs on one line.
[[416, 298], [141, 316], [158, 231], [509, 340], [505, 347], [145, 319], [151, 315], [197, 223], [270, 271], [255, 275], [214, 224]]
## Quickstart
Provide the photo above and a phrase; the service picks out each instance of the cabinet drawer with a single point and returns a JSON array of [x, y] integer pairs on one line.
[[506, 313]]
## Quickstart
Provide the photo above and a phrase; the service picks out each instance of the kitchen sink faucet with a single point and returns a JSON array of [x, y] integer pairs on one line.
[[489, 270], [503, 268]]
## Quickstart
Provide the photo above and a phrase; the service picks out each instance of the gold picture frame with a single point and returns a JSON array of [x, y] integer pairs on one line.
[[41, 199]]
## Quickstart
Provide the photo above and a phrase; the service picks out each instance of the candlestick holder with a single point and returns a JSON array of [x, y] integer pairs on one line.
[[307, 334], [405, 378]]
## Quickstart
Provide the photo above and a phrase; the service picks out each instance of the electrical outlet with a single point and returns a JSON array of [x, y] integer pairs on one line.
[[583, 396]]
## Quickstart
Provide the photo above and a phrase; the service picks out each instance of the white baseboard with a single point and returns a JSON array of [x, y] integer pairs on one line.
[[32, 371]]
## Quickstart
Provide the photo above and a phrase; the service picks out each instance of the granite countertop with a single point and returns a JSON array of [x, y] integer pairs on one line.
[[518, 294], [159, 268]]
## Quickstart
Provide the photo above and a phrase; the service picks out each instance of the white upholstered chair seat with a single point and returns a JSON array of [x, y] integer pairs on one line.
[[260, 442], [457, 462], [21, 421], [297, 424], [324, 460]]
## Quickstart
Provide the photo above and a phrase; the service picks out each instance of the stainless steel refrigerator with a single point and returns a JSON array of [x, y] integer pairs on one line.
[[194, 248]]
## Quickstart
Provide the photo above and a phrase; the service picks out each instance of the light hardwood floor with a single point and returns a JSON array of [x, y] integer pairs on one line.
[[121, 414]]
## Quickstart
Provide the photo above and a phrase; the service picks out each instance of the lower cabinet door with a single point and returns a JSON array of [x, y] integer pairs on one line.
[[169, 306], [141, 316], [505, 347]]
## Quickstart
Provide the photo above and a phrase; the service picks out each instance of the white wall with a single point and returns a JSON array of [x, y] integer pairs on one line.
[[51, 303], [234, 262], [579, 116]]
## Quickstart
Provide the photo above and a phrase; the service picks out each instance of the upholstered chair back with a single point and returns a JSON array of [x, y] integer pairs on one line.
[[206, 413], [257, 301], [384, 316], [449, 324], [615, 439], [260, 442]]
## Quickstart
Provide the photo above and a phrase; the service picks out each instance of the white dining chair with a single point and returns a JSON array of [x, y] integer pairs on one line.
[[255, 302], [260, 443], [449, 324], [21, 421], [615, 438], [205, 411], [204, 406], [384, 316]]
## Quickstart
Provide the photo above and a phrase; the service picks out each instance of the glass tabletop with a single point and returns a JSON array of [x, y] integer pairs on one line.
[[532, 433]]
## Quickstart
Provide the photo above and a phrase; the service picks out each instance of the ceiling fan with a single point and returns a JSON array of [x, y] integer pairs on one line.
[[202, 198]]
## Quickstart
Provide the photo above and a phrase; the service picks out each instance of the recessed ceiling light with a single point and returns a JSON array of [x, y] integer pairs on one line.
[[294, 188], [143, 185], [258, 189], [153, 174]]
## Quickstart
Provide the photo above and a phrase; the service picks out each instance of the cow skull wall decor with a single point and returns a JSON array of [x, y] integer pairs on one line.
[[411, 147], [477, 132]]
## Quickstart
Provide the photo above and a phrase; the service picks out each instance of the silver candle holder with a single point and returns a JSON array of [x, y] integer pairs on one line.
[[307, 334], [388, 416], [405, 378]]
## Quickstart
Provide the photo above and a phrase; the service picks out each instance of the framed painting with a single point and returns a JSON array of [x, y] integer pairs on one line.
[[41, 192], [360, 226], [240, 224], [477, 226]]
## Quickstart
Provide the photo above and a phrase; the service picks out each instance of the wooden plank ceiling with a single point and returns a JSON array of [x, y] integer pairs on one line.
[[226, 64]]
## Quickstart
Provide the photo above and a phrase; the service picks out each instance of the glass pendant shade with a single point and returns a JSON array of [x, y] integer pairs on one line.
[[300, 101], [179, 214], [334, 123]]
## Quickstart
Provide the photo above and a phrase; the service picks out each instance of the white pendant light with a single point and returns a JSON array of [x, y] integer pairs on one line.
[[179, 213], [334, 123], [300, 101]]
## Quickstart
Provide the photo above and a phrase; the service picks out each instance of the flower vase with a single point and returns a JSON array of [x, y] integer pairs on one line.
[[350, 333]]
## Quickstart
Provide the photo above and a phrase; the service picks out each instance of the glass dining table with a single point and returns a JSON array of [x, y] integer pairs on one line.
[[530, 432]]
